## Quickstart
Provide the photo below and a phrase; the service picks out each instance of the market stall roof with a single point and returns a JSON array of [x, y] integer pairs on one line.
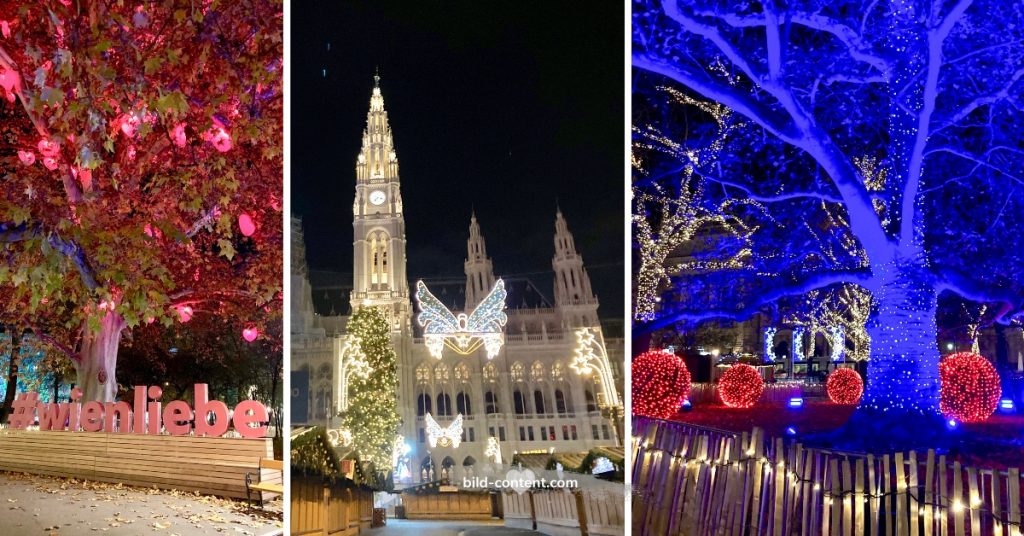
[[312, 453]]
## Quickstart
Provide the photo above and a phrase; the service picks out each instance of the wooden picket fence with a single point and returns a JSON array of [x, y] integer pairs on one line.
[[694, 481]]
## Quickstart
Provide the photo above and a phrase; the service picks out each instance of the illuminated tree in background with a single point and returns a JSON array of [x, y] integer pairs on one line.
[[846, 306], [372, 416], [29, 365], [142, 169], [882, 146], [669, 213]]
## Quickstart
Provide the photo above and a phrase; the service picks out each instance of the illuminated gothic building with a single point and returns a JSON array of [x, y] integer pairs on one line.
[[528, 396]]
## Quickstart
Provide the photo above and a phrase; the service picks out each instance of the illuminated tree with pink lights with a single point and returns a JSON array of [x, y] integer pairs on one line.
[[879, 148], [142, 170]]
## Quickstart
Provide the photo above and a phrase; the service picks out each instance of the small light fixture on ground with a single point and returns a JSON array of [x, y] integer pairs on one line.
[[796, 402], [1006, 405]]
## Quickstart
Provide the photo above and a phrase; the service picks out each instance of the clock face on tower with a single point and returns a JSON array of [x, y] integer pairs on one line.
[[377, 197]]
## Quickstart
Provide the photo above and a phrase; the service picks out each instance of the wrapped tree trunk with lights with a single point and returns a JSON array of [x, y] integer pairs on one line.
[[372, 414], [875, 149]]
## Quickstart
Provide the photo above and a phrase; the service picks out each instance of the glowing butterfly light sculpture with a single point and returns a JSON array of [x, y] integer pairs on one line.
[[462, 333], [446, 437], [339, 437]]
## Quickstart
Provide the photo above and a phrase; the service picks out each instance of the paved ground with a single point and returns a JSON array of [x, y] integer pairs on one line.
[[31, 504], [405, 527]]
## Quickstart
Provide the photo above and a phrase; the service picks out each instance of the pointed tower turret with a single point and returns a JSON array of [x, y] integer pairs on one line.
[[378, 224], [479, 270], [573, 294]]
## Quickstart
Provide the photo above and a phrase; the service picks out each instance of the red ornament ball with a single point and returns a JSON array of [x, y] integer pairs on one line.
[[970, 387], [844, 386], [660, 383], [741, 386]]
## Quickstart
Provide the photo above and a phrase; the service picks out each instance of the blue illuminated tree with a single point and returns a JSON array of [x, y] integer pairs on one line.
[[880, 146]]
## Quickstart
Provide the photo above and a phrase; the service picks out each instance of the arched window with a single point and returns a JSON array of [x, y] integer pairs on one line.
[[444, 404], [517, 371], [461, 372], [379, 258], [423, 405], [427, 470], [538, 402], [537, 371], [519, 402], [491, 402], [560, 402], [462, 404], [423, 373], [320, 406], [490, 373], [557, 372], [446, 467], [591, 404]]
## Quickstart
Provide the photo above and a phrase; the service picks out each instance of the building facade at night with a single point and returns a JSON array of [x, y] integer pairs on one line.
[[528, 396]]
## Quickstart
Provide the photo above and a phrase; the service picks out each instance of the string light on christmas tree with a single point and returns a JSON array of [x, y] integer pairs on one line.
[[371, 412], [970, 387], [463, 333], [740, 386], [660, 383], [450, 436], [844, 386]]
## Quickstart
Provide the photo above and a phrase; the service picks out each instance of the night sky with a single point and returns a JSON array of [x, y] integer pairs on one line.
[[505, 108]]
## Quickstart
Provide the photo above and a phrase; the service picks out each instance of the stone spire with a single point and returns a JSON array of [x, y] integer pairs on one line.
[[572, 284], [377, 158], [378, 261], [479, 270]]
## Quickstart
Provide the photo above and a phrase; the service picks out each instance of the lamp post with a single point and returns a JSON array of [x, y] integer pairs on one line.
[[592, 356]]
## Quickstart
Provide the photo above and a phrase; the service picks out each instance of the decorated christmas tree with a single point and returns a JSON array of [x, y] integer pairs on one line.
[[371, 416]]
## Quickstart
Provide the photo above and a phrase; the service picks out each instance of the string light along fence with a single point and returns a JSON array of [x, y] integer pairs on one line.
[[707, 393], [696, 481]]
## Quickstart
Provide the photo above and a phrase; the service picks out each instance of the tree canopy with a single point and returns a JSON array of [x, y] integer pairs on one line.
[[835, 143], [142, 165]]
